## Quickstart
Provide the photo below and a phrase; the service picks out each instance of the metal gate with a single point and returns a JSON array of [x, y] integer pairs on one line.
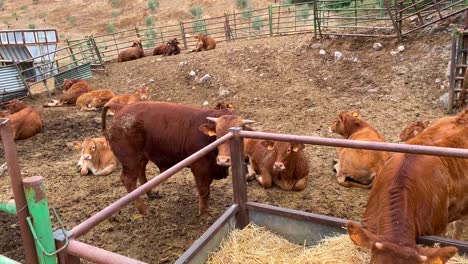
[[80, 72], [12, 84]]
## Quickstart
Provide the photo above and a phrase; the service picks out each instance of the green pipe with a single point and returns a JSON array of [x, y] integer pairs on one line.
[[8, 207], [41, 227], [5, 260]]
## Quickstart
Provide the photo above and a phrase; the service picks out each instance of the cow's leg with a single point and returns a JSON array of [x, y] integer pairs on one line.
[[265, 179], [129, 178], [107, 170], [84, 169], [203, 181], [300, 184], [142, 178], [79, 164], [251, 172]]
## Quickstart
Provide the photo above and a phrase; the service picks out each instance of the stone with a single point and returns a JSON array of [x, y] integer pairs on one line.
[[401, 48], [377, 46], [206, 103], [316, 45], [322, 52], [338, 55], [205, 79]]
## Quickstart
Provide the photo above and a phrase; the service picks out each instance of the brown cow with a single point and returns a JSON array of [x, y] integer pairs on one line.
[[160, 49], [204, 42], [140, 94], [25, 121], [168, 49], [281, 163], [67, 83], [417, 195], [221, 105], [357, 167], [134, 52], [71, 95], [413, 129], [96, 157], [167, 133], [94, 99]]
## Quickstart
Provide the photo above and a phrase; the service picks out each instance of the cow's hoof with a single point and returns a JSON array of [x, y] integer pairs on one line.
[[154, 195], [250, 178], [205, 217]]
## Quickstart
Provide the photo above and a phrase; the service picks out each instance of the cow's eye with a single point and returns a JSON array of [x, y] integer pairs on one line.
[[289, 150]]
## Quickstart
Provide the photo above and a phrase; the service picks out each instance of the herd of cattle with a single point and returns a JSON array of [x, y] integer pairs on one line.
[[411, 195]]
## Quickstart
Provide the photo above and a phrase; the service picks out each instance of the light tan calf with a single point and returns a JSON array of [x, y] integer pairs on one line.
[[124, 99], [95, 99], [96, 157]]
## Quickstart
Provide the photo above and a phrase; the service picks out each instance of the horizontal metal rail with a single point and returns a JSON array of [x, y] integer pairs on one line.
[[105, 213], [360, 144]]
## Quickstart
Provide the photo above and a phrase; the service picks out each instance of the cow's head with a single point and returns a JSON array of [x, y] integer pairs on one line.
[[137, 43], [15, 106], [219, 128], [412, 130], [67, 83], [90, 147], [221, 105], [384, 251], [345, 122], [284, 151], [143, 92]]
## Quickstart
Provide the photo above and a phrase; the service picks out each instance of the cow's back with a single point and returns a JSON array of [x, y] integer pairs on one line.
[[166, 132], [26, 123]]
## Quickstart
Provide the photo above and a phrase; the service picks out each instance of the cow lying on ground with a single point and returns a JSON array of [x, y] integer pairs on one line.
[[25, 121], [167, 133], [96, 157], [118, 101], [409, 132], [94, 99], [71, 95], [413, 129], [134, 52], [168, 49], [281, 163], [204, 42], [67, 83], [417, 195], [357, 167]]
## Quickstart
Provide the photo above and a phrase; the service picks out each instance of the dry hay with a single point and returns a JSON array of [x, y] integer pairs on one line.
[[255, 244]]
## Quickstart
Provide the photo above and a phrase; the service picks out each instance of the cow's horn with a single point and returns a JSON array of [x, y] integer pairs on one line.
[[247, 121], [214, 119]]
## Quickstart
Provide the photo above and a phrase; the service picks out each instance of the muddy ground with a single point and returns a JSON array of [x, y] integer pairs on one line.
[[283, 83]]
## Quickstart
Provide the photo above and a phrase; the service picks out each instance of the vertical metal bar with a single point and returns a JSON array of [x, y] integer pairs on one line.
[[182, 33], [466, 20], [235, 23], [295, 17], [355, 15], [270, 19], [239, 182], [38, 206], [63, 256], [137, 32], [452, 71], [96, 49], [70, 50], [115, 43], [395, 25], [279, 15], [9, 146]]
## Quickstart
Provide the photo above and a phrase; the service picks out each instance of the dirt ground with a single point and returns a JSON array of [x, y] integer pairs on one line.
[[283, 83]]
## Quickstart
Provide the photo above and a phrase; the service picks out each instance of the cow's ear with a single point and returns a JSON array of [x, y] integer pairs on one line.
[[361, 237], [230, 106], [208, 129], [76, 145], [268, 144], [99, 144], [297, 146]]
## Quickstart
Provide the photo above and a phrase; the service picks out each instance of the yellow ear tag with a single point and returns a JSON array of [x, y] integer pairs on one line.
[[211, 133], [295, 149], [437, 261], [270, 147], [355, 114]]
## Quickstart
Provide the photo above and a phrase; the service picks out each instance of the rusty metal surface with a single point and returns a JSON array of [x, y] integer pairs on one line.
[[105, 213], [332, 142], [210, 240], [9, 146], [97, 255]]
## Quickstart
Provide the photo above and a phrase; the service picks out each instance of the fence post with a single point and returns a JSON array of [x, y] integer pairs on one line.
[[182, 33], [235, 23], [36, 197], [70, 50], [270, 19], [453, 61], [9, 147], [239, 182], [279, 15], [137, 32], [96, 49], [395, 25]]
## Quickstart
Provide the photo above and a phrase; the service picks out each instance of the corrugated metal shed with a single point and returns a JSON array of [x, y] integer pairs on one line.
[[15, 53], [80, 72], [11, 84]]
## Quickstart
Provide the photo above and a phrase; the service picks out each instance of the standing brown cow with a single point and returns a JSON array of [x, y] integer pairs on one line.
[[134, 52], [204, 42], [416, 195], [281, 163], [357, 167], [25, 121], [167, 133], [413, 129], [71, 95]]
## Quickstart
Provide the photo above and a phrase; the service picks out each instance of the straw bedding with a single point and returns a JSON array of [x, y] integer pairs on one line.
[[256, 244]]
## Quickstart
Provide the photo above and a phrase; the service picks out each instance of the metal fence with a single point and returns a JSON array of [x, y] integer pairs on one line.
[[458, 64]]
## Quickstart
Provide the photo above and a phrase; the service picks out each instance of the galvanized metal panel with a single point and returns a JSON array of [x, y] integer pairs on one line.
[[15, 53], [11, 84], [80, 72]]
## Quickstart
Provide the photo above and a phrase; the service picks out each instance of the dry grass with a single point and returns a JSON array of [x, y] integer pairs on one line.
[[256, 244]]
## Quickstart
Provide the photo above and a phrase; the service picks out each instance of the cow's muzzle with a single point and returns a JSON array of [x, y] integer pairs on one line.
[[223, 161], [87, 157], [279, 166]]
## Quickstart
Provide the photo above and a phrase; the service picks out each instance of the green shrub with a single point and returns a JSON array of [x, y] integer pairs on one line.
[[71, 20], [1, 3], [305, 12], [24, 7], [35, 2], [62, 36], [110, 28], [247, 14], [14, 14], [339, 4], [196, 11], [150, 38], [153, 5], [199, 26], [43, 15], [32, 26], [115, 13], [286, 2], [149, 21], [257, 23], [241, 4], [5, 22], [115, 2]]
